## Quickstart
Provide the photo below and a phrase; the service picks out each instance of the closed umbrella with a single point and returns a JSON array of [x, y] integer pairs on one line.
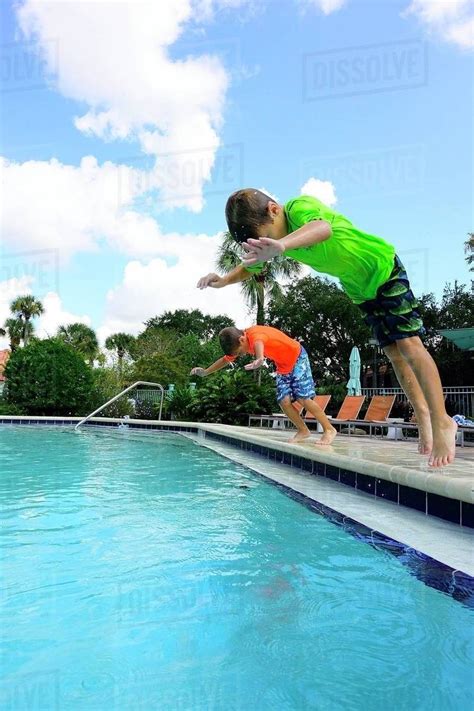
[[353, 386]]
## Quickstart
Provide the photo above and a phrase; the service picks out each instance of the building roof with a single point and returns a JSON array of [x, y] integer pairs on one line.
[[4, 356]]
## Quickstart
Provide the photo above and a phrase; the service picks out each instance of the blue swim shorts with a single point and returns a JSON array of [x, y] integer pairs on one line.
[[297, 384]]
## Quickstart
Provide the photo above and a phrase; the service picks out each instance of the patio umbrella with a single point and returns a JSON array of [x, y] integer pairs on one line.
[[353, 386]]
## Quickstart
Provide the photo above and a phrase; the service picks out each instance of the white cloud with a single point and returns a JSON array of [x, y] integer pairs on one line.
[[451, 20], [322, 189], [150, 288], [49, 205], [134, 90], [326, 6], [55, 315]]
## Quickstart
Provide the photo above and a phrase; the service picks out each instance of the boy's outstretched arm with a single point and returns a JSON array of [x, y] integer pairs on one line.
[[266, 248], [215, 281], [217, 365], [259, 357]]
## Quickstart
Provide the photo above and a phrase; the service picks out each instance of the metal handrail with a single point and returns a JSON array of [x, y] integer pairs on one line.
[[130, 387]]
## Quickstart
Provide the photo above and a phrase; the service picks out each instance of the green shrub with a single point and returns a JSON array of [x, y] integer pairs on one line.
[[229, 397], [180, 404], [8, 408], [107, 384], [48, 377]]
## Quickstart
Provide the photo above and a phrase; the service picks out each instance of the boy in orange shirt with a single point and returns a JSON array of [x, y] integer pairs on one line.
[[294, 380]]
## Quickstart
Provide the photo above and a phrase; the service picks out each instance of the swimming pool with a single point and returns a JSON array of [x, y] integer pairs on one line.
[[147, 572]]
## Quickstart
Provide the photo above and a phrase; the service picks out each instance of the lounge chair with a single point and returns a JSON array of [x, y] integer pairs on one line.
[[322, 401], [276, 419], [350, 408], [379, 408], [377, 413]]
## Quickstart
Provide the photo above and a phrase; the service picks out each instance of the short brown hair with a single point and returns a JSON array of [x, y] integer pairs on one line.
[[245, 211], [229, 339]]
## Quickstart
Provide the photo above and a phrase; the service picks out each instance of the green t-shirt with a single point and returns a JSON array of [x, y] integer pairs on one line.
[[362, 262]]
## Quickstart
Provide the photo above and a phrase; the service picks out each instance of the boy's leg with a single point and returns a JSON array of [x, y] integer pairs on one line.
[[444, 427], [329, 431], [408, 381], [395, 321], [302, 431]]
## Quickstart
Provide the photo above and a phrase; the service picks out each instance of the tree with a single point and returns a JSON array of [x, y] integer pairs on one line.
[[184, 321], [164, 356], [260, 286], [122, 344], [14, 327], [457, 307], [469, 250], [25, 308], [318, 313], [193, 352], [455, 310], [81, 338], [48, 377], [158, 369], [153, 341]]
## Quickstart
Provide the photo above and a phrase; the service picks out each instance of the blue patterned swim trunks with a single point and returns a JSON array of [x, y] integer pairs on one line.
[[297, 384]]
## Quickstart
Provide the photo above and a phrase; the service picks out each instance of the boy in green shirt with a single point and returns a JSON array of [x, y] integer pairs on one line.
[[370, 273]]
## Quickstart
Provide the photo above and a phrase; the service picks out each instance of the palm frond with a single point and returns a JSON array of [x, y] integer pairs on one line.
[[230, 255]]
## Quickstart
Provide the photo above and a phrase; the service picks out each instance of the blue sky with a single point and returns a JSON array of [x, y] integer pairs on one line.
[[372, 102]]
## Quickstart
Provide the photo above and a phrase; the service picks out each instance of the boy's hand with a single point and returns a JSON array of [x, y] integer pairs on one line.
[[255, 364], [261, 250], [213, 280], [199, 371]]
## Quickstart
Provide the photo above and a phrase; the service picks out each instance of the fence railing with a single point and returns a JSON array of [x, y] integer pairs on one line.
[[458, 398], [147, 395]]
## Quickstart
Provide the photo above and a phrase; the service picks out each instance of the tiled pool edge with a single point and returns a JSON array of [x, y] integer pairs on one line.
[[454, 510], [432, 572], [457, 511]]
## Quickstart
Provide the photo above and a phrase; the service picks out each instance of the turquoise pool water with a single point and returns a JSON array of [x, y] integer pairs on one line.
[[138, 573]]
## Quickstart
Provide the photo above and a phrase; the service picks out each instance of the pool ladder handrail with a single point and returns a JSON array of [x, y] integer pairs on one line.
[[113, 399]]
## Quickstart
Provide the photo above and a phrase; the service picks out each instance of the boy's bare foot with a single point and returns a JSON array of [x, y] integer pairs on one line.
[[300, 436], [327, 437], [425, 435], [444, 444]]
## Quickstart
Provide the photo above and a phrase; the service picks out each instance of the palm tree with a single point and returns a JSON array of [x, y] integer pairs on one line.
[[25, 308], [81, 338], [258, 287], [121, 343], [469, 250], [13, 327]]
